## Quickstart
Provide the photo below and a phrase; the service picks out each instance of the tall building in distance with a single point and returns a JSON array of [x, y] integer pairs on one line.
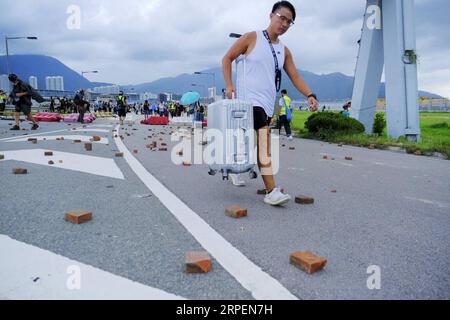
[[33, 82], [5, 85], [54, 83]]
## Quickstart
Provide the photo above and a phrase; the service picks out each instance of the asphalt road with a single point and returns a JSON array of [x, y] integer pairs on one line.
[[390, 210]]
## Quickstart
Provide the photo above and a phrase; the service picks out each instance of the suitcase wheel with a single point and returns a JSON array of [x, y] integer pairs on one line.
[[253, 175]]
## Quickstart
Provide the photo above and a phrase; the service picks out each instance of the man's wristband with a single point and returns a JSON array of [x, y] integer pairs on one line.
[[312, 95]]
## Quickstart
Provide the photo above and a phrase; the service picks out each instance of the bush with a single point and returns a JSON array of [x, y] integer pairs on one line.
[[379, 124], [326, 124]]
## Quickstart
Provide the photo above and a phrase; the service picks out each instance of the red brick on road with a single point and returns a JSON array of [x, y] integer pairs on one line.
[[78, 216], [304, 200], [20, 171], [236, 211], [307, 261], [198, 262]]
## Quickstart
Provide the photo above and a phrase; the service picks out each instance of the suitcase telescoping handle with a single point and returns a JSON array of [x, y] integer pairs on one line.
[[241, 82], [239, 89]]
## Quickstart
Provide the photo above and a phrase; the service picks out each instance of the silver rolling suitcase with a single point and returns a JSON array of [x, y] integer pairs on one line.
[[233, 120]]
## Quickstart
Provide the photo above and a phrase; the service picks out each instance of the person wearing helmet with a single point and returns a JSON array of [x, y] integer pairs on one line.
[[21, 97]]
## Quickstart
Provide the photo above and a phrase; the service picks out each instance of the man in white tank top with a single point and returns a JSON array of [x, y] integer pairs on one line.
[[260, 84]]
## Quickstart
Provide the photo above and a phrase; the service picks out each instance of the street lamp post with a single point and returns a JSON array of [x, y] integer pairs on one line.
[[210, 74], [7, 51], [83, 72]]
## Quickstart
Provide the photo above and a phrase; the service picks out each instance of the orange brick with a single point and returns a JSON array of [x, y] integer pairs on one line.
[[78, 216], [304, 200], [88, 146], [20, 171], [96, 138], [198, 262], [307, 261], [48, 153], [236, 211]]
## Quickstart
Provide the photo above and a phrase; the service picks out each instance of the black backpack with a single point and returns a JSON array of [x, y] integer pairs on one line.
[[35, 95]]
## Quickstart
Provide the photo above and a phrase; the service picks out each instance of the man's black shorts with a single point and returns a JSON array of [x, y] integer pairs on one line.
[[260, 118], [20, 107]]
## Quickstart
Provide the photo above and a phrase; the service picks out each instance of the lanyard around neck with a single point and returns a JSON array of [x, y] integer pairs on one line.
[[277, 69]]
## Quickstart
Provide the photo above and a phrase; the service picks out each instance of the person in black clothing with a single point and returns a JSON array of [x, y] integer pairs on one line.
[[81, 105], [21, 97], [121, 107]]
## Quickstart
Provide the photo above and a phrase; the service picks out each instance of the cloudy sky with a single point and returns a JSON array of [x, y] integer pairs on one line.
[[134, 41]]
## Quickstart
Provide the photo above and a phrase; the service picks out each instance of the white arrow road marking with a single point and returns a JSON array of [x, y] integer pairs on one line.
[[71, 161], [28, 272], [249, 275], [72, 137]]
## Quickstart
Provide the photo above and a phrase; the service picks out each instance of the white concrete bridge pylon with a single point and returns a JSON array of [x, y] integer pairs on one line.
[[388, 39]]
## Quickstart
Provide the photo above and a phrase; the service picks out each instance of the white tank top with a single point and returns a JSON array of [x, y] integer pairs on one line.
[[256, 78]]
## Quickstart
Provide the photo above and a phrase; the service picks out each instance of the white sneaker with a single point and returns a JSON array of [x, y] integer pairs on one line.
[[290, 138], [236, 179], [277, 198]]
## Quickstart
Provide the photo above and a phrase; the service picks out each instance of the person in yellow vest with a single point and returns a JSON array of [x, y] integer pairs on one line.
[[121, 107], [3, 98], [285, 115]]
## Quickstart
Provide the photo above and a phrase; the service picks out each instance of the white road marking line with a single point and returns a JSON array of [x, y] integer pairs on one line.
[[71, 161], [250, 276], [33, 135], [87, 129], [101, 126], [28, 272], [435, 203], [71, 137]]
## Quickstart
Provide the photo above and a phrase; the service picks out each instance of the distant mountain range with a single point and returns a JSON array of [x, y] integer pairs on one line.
[[43, 66], [329, 87]]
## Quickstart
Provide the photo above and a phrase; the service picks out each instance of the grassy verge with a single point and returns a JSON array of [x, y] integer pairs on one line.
[[435, 133]]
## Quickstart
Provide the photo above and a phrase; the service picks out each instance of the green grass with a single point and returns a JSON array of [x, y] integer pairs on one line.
[[435, 134]]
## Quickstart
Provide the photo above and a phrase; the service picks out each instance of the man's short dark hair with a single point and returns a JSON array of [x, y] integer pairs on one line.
[[284, 91], [284, 4]]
